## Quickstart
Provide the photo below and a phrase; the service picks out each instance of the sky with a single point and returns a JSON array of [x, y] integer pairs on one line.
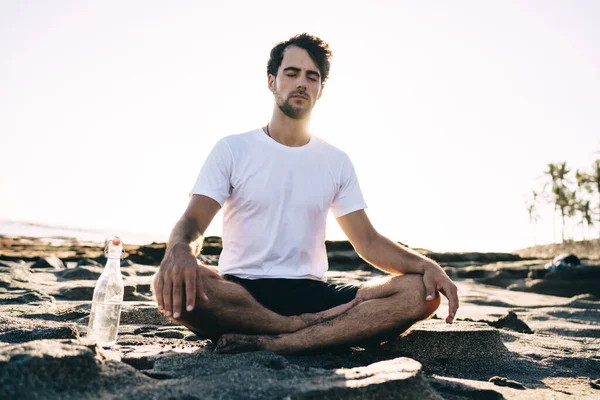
[[450, 111]]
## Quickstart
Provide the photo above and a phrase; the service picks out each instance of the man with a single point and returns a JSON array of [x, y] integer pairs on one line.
[[276, 185]]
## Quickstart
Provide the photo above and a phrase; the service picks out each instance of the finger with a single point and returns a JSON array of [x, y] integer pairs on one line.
[[166, 293], [190, 291], [157, 287], [177, 297], [430, 289], [451, 293]]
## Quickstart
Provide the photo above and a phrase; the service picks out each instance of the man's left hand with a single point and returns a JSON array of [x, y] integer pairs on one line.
[[435, 280]]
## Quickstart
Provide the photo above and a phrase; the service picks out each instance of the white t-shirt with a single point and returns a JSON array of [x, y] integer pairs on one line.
[[275, 201]]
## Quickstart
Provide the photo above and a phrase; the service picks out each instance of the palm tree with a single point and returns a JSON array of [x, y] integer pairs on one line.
[[563, 200], [586, 216], [534, 217], [552, 172], [562, 171]]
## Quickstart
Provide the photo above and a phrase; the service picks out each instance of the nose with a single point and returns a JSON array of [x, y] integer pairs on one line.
[[302, 84]]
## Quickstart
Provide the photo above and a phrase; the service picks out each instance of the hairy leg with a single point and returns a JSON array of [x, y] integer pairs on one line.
[[390, 306], [231, 308]]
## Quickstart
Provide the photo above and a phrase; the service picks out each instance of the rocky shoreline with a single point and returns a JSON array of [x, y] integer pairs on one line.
[[521, 333]]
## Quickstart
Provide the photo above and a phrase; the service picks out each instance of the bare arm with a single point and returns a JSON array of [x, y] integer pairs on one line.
[[391, 257], [190, 228], [178, 270], [378, 250]]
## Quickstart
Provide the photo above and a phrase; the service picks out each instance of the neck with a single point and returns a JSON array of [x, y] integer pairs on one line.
[[288, 131]]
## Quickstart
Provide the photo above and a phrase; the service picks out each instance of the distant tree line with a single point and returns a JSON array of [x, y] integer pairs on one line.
[[575, 198]]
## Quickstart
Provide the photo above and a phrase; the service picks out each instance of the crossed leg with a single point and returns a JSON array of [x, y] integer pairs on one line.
[[390, 306], [231, 308]]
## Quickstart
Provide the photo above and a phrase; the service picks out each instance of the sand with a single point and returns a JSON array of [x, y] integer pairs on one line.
[[512, 344]]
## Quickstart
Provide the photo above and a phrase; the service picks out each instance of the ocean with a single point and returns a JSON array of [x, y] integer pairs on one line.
[[14, 228]]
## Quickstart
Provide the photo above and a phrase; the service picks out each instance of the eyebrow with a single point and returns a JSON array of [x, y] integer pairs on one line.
[[297, 70]]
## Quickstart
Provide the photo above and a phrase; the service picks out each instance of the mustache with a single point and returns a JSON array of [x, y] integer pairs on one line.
[[299, 93]]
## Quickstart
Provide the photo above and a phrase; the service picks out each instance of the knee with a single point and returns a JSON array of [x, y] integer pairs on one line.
[[431, 306], [412, 289]]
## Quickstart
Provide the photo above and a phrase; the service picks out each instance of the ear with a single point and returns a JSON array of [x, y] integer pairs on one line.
[[271, 83]]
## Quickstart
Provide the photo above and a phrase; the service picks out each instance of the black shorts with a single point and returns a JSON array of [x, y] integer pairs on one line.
[[296, 296]]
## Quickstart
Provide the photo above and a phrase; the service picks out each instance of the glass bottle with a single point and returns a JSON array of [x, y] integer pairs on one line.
[[108, 298]]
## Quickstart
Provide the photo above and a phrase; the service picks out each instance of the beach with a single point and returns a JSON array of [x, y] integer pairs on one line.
[[521, 332]]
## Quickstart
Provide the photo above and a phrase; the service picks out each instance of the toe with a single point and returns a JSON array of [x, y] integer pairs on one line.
[[222, 342]]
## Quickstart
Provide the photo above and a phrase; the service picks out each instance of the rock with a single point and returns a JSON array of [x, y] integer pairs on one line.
[[71, 369], [556, 287], [33, 367], [263, 375], [501, 381], [512, 322], [478, 257], [143, 287], [170, 334], [5, 281], [454, 345], [579, 272], [88, 262], [141, 314], [140, 297], [138, 313], [568, 259], [51, 262], [338, 245], [127, 263], [471, 273], [499, 278], [18, 330], [144, 329], [348, 258], [151, 254], [209, 259], [563, 261], [58, 369], [87, 292], [454, 390], [212, 246], [24, 296], [20, 273], [586, 297], [62, 315], [144, 270], [139, 363], [84, 272], [537, 273]]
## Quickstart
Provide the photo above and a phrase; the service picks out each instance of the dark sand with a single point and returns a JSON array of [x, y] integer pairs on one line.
[[513, 344]]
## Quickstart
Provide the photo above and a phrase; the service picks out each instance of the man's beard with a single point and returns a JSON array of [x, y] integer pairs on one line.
[[290, 110]]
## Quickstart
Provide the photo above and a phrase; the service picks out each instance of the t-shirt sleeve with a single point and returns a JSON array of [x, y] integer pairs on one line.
[[349, 197], [214, 179]]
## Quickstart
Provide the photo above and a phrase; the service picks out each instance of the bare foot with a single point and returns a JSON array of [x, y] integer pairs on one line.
[[234, 343], [322, 316]]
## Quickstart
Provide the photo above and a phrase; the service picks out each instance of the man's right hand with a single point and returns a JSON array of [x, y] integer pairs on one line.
[[178, 270]]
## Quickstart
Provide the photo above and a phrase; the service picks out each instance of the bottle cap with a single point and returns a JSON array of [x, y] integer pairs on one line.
[[114, 248]]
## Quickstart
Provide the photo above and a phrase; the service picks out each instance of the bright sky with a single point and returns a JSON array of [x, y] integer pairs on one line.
[[449, 110]]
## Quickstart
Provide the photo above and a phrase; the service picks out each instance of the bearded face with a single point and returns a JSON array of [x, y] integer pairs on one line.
[[296, 105], [297, 86]]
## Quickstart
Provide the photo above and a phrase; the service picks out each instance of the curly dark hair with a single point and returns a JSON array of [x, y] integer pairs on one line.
[[317, 49]]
